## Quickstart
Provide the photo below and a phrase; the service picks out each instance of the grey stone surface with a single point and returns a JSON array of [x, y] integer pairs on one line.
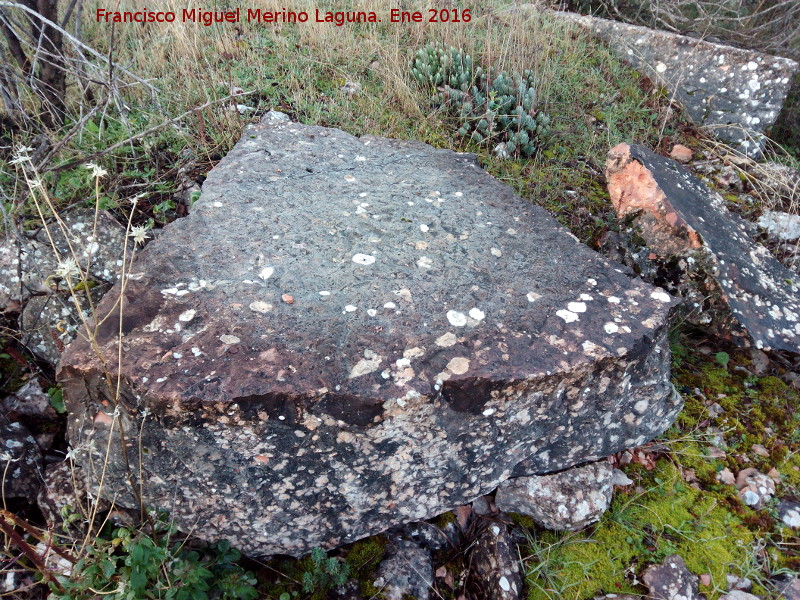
[[28, 264], [29, 284], [671, 580], [788, 587], [565, 501], [679, 216], [494, 559], [48, 323], [20, 461], [406, 572], [350, 334], [30, 400], [737, 93]]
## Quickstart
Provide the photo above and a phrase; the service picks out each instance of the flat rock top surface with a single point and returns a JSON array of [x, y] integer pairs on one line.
[[322, 265]]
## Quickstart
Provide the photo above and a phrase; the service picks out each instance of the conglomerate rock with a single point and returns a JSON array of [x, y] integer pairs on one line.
[[565, 501], [350, 334], [678, 216], [736, 93]]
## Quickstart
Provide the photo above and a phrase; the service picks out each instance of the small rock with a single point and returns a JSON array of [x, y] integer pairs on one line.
[[463, 515], [431, 537], [681, 153], [406, 572], [715, 410], [783, 179], [726, 476], [30, 400], [619, 478], [774, 475], [50, 323], [350, 88], [484, 506], [780, 225], [788, 587], [565, 501], [759, 361], [705, 579], [738, 583], [276, 116], [288, 298], [714, 452], [789, 513], [496, 563], [760, 450], [671, 580], [755, 488]]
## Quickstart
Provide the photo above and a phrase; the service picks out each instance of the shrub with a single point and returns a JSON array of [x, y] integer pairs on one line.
[[133, 565], [492, 107]]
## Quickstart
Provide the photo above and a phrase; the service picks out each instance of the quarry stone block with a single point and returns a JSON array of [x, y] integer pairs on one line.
[[736, 93], [441, 330]]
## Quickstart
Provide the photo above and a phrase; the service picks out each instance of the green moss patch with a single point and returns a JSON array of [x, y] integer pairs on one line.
[[669, 517]]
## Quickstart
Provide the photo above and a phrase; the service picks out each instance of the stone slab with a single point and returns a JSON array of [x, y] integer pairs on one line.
[[737, 93], [679, 215], [349, 334]]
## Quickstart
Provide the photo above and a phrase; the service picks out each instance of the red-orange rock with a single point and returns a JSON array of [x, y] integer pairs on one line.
[[681, 153]]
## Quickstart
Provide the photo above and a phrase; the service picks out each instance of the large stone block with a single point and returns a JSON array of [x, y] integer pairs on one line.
[[347, 334], [737, 93]]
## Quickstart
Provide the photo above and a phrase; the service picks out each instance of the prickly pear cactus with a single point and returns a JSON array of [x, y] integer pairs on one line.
[[491, 107]]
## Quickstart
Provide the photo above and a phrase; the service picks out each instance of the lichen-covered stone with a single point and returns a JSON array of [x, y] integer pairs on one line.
[[789, 513], [678, 216], [736, 93], [20, 461], [780, 225], [441, 331], [565, 501], [739, 595], [671, 580], [755, 488]]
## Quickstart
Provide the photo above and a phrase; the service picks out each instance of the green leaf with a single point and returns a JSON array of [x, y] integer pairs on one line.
[[57, 399]]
